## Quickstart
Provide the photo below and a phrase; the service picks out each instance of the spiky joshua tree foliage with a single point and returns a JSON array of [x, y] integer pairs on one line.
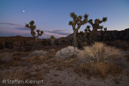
[[32, 28], [96, 25], [76, 24]]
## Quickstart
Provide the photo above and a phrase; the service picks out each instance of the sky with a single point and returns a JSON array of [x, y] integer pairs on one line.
[[53, 16]]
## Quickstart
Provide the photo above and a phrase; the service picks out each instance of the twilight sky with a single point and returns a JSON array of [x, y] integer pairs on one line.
[[53, 16]]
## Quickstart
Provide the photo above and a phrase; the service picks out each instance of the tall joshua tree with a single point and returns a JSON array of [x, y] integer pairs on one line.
[[76, 24], [96, 25], [32, 28]]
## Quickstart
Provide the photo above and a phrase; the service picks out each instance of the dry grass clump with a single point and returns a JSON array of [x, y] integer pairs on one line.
[[16, 78], [66, 63], [6, 57], [21, 54], [62, 64], [51, 53], [99, 60], [38, 55], [12, 74], [67, 53], [35, 59], [99, 52], [98, 69]]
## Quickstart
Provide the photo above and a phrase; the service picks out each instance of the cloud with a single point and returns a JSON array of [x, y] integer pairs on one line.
[[23, 31], [22, 28], [48, 34], [60, 32], [11, 24]]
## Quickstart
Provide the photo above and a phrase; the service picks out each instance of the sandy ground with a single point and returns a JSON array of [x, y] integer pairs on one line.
[[52, 74]]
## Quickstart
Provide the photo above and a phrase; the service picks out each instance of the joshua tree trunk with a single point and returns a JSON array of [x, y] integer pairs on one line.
[[52, 43], [35, 43], [94, 35], [75, 42]]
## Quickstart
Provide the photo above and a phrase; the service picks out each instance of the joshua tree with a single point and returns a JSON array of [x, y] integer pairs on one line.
[[105, 29], [81, 33], [96, 26], [87, 30], [32, 28], [88, 34], [105, 34], [76, 24], [80, 36], [52, 40]]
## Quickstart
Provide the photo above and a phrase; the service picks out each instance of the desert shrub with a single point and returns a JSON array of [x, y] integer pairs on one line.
[[38, 53], [51, 53], [99, 60], [12, 75], [6, 57], [99, 52], [67, 53], [62, 64], [98, 69]]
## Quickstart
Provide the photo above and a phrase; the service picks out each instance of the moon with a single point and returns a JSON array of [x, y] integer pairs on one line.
[[23, 11]]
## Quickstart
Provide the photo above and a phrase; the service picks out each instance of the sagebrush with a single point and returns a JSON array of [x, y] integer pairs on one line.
[[99, 52], [67, 53]]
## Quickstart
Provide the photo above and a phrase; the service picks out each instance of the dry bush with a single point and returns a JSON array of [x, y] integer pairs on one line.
[[38, 55], [51, 53], [66, 63], [67, 53], [98, 69], [21, 54], [33, 59], [62, 64], [99, 60], [6, 57], [12, 75], [99, 52]]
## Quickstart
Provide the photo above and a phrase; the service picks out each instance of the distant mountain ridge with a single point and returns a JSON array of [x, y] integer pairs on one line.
[[67, 39]]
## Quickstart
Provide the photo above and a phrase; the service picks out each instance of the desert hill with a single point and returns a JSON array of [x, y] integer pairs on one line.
[[15, 38], [117, 38]]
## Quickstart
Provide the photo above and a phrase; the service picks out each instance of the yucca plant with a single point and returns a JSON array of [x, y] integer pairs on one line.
[[32, 28], [88, 34], [96, 25], [76, 24], [52, 40]]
